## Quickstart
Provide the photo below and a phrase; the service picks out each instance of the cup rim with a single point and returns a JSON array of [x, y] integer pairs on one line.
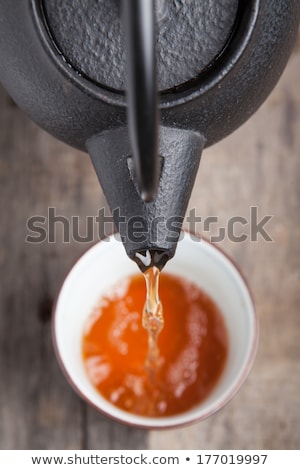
[[154, 425]]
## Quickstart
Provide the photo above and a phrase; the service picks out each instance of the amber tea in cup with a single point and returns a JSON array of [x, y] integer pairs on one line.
[[206, 347], [191, 354]]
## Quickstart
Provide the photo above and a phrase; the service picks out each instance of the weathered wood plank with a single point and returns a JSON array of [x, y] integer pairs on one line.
[[38, 409]]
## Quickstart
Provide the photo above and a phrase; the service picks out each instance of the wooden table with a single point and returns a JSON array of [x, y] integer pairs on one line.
[[258, 166]]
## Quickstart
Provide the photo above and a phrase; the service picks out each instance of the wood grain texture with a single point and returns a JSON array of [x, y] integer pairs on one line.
[[38, 409], [257, 166]]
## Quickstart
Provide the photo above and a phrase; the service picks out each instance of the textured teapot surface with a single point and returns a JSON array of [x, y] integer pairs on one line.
[[189, 36], [63, 62]]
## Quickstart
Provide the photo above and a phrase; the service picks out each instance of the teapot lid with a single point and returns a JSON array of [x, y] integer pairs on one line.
[[189, 37], [234, 78]]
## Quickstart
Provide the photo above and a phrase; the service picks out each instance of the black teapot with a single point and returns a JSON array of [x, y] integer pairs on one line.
[[182, 73]]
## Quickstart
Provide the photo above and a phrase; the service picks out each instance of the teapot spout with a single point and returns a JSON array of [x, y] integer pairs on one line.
[[149, 230]]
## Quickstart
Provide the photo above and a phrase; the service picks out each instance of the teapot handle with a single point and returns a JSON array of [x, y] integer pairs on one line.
[[142, 103]]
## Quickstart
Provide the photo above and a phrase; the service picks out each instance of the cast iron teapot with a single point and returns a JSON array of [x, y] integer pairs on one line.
[[82, 70]]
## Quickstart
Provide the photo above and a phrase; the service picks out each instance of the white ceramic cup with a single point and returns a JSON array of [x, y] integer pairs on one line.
[[198, 261]]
